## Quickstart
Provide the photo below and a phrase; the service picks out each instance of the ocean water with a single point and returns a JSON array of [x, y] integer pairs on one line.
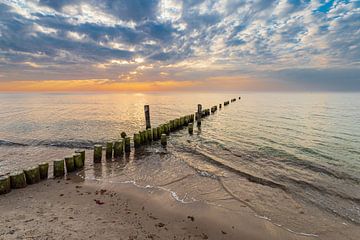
[[290, 158]]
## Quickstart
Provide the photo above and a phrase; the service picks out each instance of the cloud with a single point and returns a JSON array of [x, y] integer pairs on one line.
[[190, 40]]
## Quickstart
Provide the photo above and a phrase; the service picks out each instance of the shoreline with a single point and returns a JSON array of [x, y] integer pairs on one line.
[[77, 209]]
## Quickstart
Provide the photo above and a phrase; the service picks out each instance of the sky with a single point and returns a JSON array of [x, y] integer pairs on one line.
[[169, 45]]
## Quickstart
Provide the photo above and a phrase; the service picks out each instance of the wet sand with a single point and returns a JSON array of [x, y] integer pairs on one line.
[[72, 209]]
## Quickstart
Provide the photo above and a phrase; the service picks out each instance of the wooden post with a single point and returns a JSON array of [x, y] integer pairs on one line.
[[137, 140], [5, 186], [78, 161], [127, 145], [158, 129], [59, 168], [32, 175], [143, 136], [199, 108], [70, 165], [163, 139], [191, 128], [155, 135], [147, 116], [44, 169], [171, 123], [97, 153], [149, 135], [82, 153], [109, 150], [118, 148], [123, 135], [18, 180]]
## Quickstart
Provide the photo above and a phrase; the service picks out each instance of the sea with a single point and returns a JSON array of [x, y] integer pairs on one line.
[[289, 158]]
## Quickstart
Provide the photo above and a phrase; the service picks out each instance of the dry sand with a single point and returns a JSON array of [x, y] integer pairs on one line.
[[72, 209]]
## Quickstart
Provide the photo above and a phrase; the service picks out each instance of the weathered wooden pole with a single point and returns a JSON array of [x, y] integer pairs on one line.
[[70, 165], [155, 134], [147, 116], [82, 153], [137, 140], [78, 161], [59, 168], [163, 139], [97, 153], [32, 175], [118, 148], [191, 128], [18, 180], [44, 169], [5, 185], [149, 135], [127, 145], [109, 150], [143, 136], [171, 124]]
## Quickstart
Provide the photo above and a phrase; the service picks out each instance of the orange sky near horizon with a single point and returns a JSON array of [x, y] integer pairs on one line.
[[105, 85]]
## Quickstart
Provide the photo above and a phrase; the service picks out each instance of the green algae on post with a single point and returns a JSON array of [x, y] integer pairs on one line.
[[59, 168], [69, 162], [109, 150], [155, 134], [97, 153], [44, 169], [32, 175], [5, 186], [118, 148], [149, 135], [163, 139], [82, 153], [137, 140], [127, 145], [78, 161], [18, 180]]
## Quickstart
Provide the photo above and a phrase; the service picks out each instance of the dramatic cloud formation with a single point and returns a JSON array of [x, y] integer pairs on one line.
[[168, 44]]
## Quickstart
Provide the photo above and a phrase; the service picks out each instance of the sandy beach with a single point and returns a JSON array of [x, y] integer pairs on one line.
[[73, 209]]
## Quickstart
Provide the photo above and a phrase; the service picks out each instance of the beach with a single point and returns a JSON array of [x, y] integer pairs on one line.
[[73, 209], [256, 169]]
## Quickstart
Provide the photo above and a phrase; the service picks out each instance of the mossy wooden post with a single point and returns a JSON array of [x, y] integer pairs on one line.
[[69, 162], [59, 168], [97, 153], [137, 140], [143, 136], [82, 153], [109, 150], [158, 131], [155, 135], [191, 128], [127, 145], [192, 118], [163, 139], [78, 161], [149, 135], [5, 185], [118, 148], [18, 180], [147, 116], [171, 125], [44, 170], [32, 175]]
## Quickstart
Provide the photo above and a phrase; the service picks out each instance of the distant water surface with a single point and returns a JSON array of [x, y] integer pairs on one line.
[[292, 158]]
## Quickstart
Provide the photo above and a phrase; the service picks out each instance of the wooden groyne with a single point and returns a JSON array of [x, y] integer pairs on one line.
[[113, 149]]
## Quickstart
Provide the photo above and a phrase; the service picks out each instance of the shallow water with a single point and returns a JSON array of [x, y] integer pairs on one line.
[[292, 158]]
